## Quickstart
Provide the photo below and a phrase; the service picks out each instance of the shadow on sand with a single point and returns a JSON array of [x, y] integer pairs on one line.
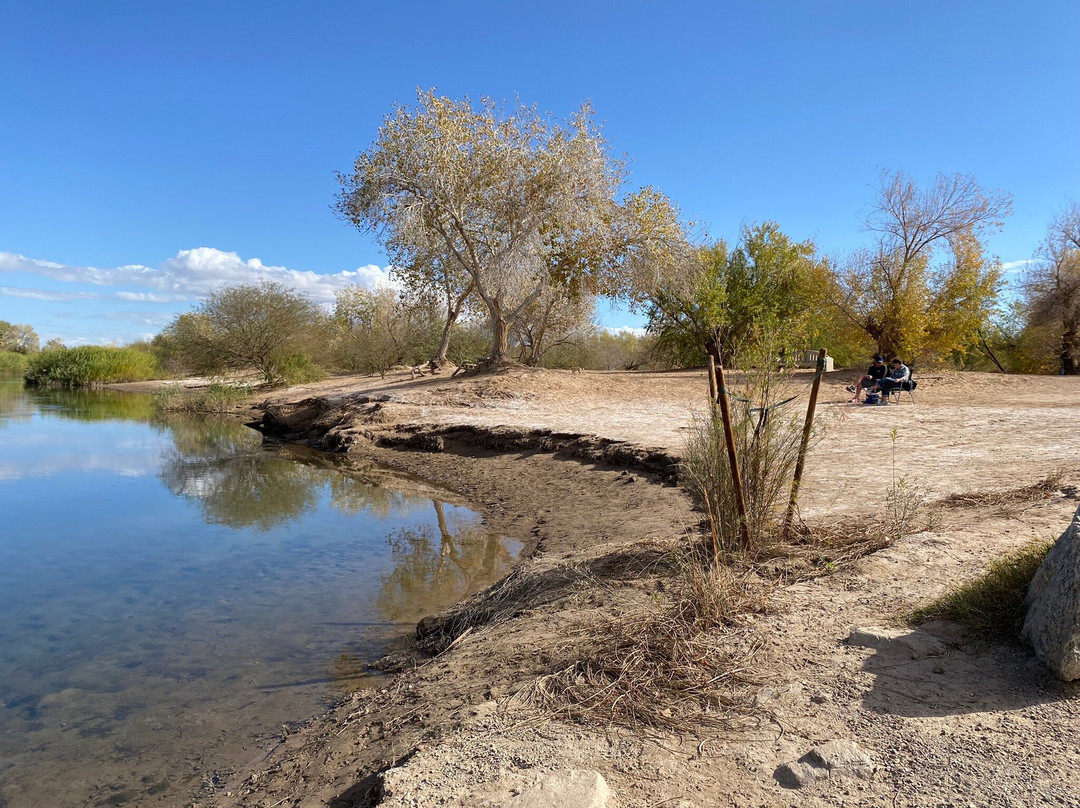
[[967, 678]]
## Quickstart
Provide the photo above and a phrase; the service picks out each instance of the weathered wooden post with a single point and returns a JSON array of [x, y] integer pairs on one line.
[[733, 460], [712, 380], [807, 428]]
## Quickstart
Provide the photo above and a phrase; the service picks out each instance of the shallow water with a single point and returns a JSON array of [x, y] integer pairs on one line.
[[173, 590]]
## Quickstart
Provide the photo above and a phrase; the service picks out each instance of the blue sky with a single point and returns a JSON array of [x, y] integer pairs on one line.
[[150, 151]]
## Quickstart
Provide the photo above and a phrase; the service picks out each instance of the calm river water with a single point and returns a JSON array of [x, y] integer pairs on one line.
[[173, 590]]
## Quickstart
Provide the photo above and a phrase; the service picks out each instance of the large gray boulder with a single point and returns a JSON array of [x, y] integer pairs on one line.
[[1052, 626]]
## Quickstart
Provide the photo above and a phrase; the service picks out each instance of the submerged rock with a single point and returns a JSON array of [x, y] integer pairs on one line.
[[1052, 625]]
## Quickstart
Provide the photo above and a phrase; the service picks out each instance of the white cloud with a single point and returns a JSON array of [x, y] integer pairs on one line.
[[137, 317], [189, 275], [44, 294], [1014, 267], [149, 297], [626, 329]]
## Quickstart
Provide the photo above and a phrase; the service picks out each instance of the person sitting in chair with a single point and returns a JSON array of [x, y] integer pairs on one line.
[[899, 374], [874, 374]]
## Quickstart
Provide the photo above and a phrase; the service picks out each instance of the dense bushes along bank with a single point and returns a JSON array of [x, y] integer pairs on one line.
[[89, 365], [12, 365]]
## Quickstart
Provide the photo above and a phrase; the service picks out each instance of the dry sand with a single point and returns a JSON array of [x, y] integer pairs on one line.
[[981, 725]]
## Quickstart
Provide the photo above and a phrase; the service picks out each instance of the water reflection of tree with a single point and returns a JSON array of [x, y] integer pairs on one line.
[[350, 495], [19, 403], [219, 463], [93, 405], [349, 672], [224, 467], [209, 436], [245, 489], [435, 566], [14, 403]]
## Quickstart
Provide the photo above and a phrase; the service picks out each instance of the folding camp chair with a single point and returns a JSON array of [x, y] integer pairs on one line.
[[895, 394]]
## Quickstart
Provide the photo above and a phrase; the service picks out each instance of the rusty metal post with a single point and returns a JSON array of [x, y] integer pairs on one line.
[[733, 460], [808, 426]]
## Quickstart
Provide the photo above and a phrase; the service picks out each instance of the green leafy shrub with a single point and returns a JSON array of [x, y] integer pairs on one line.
[[295, 369], [90, 365], [12, 365], [991, 606], [261, 326]]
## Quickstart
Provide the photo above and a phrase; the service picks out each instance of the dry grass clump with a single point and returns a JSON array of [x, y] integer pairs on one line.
[[993, 605], [676, 666], [525, 588], [807, 551], [1043, 489]]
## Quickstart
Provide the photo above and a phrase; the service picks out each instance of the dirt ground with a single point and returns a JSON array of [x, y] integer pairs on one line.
[[982, 725]]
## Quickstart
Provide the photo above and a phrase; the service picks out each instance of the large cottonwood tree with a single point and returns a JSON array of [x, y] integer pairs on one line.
[[512, 199], [900, 291], [18, 338]]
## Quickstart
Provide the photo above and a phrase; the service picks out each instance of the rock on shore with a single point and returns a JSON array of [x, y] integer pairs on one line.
[[1052, 626]]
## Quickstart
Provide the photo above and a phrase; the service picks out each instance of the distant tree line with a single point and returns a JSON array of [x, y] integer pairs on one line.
[[505, 228], [288, 338]]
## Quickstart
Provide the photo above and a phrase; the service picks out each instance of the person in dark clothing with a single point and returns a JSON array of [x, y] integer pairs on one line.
[[898, 375], [874, 374]]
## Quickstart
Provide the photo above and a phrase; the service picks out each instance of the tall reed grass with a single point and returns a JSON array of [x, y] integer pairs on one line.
[[89, 365]]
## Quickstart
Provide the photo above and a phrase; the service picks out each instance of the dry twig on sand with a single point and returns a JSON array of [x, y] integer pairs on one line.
[[820, 550], [518, 591], [1043, 489]]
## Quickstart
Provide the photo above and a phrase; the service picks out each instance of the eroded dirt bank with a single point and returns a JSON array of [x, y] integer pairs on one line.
[[979, 725]]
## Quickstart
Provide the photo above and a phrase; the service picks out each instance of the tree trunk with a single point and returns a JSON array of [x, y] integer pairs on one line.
[[453, 311], [444, 343], [500, 344], [1068, 361], [987, 350]]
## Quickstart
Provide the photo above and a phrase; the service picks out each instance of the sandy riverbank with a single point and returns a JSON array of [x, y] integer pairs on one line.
[[575, 465]]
